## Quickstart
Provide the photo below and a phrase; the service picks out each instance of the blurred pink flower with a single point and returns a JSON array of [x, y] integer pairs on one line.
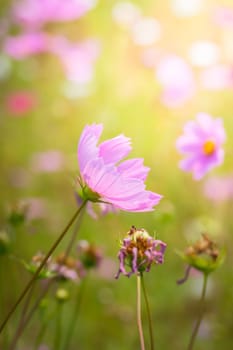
[[201, 143], [103, 178], [20, 102], [50, 161], [223, 16], [26, 44], [219, 189], [77, 59], [177, 80], [35, 208], [217, 77], [35, 13]]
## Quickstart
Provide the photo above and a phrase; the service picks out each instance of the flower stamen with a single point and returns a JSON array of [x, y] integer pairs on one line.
[[209, 147]]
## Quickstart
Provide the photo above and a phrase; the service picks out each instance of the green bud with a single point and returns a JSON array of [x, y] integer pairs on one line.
[[62, 295], [4, 243]]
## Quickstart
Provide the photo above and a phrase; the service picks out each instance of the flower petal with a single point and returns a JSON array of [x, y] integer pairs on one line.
[[87, 149], [115, 149], [133, 168]]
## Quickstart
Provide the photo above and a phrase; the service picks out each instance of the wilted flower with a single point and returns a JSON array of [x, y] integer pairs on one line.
[[204, 255], [104, 179], [202, 144], [66, 267], [35, 262], [139, 251]]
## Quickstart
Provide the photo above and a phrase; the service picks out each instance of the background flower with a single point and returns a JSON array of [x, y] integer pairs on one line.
[[201, 143]]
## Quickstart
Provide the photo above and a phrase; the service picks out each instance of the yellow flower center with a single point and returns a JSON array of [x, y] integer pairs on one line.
[[209, 147]]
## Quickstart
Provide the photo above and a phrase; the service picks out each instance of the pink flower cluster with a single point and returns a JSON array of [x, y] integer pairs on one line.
[[77, 59]]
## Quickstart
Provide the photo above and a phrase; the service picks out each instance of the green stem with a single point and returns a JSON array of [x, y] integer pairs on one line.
[[36, 274], [58, 331], [201, 313], [148, 313], [44, 322], [22, 319], [73, 319], [40, 335], [139, 319]]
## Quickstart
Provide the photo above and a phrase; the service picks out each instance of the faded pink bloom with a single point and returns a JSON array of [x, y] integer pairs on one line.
[[217, 77], [20, 102], [35, 208], [35, 13], [219, 188], [201, 143], [26, 44], [177, 80], [50, 161], [77, 59], [223, 16], [104, 179], [107, 268]]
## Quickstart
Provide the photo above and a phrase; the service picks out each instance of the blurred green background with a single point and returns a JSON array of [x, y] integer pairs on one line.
[[124, 94]]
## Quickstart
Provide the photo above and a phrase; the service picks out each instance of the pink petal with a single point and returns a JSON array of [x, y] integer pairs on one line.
[[113, 150], [87, 149], [133, 168]]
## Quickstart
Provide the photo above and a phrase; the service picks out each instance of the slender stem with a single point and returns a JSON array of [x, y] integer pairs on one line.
[[201, 313], [58, 331], [45, 321], [36, 274], [139, 319], [73, 319], [40, 335], [22, 319], [148, 313], [73, 236]]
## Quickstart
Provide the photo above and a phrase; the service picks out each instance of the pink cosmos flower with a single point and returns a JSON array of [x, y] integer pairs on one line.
[[26, 44], [21, 102], [201, 143], [35, 13], [104, 179]]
